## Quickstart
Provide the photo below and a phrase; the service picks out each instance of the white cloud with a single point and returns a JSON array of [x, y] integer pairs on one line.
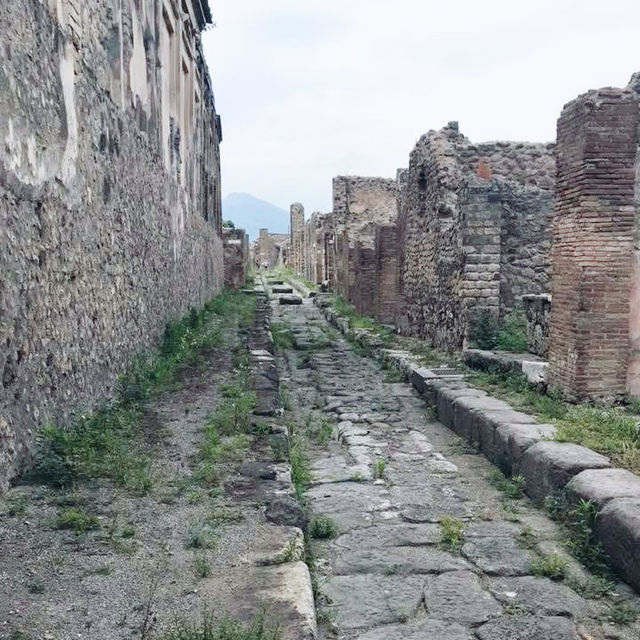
[[309, 89]]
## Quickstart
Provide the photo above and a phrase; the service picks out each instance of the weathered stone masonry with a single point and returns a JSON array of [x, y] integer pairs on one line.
[[360, 206], [109, 197], [473, 231], [236, 256], [594, 343]]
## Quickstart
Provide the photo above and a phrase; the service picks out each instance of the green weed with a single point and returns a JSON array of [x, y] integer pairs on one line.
[[623, 613], [201, 565], [201, 534], [224, 629], [300, 467], [323, 527], [512, 332], [451, 533], [16, 504], [77, 519], [527, 537], [378, 468], [552, 566], [512, 488]]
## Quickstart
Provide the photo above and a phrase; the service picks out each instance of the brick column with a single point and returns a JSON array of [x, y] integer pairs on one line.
[[593, 245]]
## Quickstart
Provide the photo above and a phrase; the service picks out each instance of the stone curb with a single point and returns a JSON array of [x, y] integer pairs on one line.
[[291, 577], [534, 368], [519, 445]]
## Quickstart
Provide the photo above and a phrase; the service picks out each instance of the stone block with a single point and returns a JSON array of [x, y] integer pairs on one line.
[[281, 288], [618, 528], [445, 401], [602, 485], [513, 439], [469, 416], [549, 466], [290, 299]]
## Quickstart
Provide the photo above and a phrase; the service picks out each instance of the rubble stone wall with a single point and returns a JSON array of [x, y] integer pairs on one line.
[[473, 231], [360, 205], [594, 334], [296, 230], [236, 257], [109, 205]]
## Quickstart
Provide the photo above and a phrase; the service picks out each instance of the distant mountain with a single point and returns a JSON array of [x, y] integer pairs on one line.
[[252, 214]]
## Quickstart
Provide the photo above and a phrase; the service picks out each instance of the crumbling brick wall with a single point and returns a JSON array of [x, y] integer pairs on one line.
[[236, 256], [594, 326], [360, 205], [473, 231], [109, 224]]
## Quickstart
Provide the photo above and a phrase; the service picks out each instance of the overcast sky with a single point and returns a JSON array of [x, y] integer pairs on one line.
[[310, 89]]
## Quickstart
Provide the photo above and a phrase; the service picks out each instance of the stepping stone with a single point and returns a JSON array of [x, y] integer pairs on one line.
[[528, 628], [279, 288], [400, 560], [371, 600], [458, 596], [422, 630], [390, 535], [539, 596], [290, 299], [337, 469], [498, 556]]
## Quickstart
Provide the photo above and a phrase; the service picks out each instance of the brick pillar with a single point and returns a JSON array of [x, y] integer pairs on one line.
[[365, 279], [387, 285], [593, 246]]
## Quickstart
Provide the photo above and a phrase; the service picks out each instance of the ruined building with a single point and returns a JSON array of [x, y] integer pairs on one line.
[[360, 206], [110, 196], [594, 325], [270, 249], [473, 232]]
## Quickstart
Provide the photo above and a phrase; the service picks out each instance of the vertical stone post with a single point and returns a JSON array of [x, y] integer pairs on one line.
[[595, 268], [297, 237]]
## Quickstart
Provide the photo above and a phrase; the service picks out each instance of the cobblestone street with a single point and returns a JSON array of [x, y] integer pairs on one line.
[[429, 542]]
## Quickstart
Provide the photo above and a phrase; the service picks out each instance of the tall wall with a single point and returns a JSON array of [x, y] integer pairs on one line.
[[594, 342], [296, 231], [109, 197], [360, 205], [268, 250], [315, 247], [236, 256], [473, 231]]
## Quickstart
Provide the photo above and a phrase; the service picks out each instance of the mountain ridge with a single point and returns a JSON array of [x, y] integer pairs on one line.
[[252, 214]]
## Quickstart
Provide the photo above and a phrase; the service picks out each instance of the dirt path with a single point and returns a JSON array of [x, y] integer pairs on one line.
[[187, 547], [427, 546]]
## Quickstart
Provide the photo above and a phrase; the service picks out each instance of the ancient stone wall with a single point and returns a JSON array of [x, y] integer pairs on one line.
[[537, 308], [360, 205], [236, 256], [296, 238], [387, 285], [268, 250], [109, 198], [473, 230], [595, 316]]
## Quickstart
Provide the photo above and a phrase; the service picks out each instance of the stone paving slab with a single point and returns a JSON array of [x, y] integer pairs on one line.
[[389, 573]]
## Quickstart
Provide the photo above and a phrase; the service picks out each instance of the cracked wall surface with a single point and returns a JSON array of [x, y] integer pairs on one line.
[[109, 198]]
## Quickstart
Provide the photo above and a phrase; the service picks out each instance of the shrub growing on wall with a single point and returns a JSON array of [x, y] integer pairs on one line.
[[483, 329], [512, 335]]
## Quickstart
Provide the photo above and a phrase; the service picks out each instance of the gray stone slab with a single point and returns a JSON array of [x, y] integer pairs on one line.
[[337, 469], [421, 630], [602, 485], [618, 528], [539, 596], [392, 535], [548, 466], [445, 401], [498, 556], [368, 600], [290, 299], [467, 408], [281, 288], [528, 628], [458, 596], [512, 440], [400, 560]]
